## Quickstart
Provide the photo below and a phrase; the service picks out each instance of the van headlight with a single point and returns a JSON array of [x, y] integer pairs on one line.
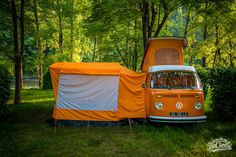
[[198, 105], [158, 105]]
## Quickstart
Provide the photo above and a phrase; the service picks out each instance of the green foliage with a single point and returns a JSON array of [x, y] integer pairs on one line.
[[30, 59], [117, 26], [51, 58], [113, 31], [223, 84], [203, 73], [5, 80], [47, 83]]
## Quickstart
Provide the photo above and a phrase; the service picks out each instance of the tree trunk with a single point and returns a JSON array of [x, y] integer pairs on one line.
[[159, 27], [217, 51], [94, 49], [204, 38], [22, 38], [145, 18], [166, 15], [187, 22], [135, 54], [159, 14], [17, 57], [40, 53], [231, 58], [153, 19], [205, 35], [60, 37], [72, 29], [122, 57]]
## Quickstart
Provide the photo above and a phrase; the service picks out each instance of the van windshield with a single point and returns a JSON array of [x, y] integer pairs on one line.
[[175, 80]]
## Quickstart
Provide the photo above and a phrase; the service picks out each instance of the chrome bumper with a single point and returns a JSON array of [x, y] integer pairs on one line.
[[198, 119]]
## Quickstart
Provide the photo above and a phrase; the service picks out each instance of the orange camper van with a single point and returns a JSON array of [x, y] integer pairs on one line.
[[173, 92]]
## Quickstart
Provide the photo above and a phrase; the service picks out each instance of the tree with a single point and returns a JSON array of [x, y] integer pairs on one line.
[[60, 36], [108, 31], [149, 11], [18, 57], [38, 38], [18, 51]]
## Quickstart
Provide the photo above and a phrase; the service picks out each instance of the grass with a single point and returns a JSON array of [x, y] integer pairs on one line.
[[26, 132]]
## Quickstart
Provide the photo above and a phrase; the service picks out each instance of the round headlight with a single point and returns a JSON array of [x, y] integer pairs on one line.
[[198, 105], [158, 105]]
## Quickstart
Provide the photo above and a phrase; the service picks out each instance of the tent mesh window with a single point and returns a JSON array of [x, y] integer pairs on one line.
[[87, 92], [167, 56]]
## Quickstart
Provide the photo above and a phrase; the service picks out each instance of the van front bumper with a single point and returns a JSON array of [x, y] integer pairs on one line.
[[198, 119]]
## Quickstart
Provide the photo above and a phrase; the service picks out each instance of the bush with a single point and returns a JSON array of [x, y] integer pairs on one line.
[[47, 83], [223, 84], [5, 80], [204, 75]]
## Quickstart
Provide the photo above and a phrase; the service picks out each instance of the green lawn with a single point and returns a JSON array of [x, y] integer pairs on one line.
[[26, 132]]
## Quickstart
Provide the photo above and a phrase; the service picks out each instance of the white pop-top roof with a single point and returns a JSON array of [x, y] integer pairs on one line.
[[171, 67]]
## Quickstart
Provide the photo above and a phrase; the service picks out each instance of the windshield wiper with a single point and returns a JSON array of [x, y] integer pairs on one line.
[[191, 87], [169, 87]]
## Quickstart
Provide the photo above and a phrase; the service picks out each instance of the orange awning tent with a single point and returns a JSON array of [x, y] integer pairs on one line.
[[97, 92]]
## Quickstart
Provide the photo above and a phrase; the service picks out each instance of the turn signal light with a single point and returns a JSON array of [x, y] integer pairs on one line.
[[197, 96]]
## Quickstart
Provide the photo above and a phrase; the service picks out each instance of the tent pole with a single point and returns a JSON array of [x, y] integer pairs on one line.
[[130, 126], [87, 127], [54, 128]]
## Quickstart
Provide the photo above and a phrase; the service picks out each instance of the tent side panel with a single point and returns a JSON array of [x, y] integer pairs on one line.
[[94, 95], [69, 114], [55, 79], [131, 94]]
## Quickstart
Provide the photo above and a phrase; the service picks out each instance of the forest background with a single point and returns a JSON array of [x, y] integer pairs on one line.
[[36, 33]]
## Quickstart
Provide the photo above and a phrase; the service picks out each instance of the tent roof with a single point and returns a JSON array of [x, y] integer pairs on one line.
[[183, 40], [87, 68]]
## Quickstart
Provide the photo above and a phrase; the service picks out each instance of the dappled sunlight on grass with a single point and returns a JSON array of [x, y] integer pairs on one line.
[[34, 96], [38, 100]]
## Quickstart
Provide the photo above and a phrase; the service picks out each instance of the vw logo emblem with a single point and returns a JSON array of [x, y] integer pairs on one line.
[[179, 105]]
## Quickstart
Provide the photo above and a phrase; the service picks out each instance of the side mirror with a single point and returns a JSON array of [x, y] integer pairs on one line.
[[144, 85]]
